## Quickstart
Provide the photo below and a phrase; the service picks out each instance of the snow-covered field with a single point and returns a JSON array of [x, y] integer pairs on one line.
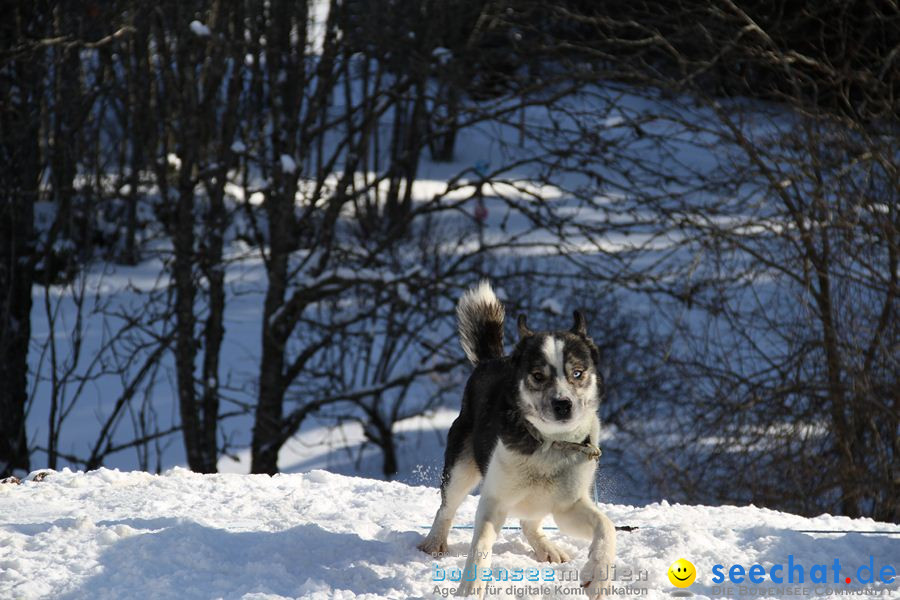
[[111, 534]]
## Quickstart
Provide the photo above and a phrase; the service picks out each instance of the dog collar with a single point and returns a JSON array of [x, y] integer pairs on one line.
[[591, 451]]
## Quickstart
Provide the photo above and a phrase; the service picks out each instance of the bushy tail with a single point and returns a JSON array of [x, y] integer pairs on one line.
[[480, 317]]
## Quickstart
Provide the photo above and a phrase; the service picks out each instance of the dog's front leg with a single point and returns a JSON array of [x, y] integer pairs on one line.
[[585, 520], [489, 518]]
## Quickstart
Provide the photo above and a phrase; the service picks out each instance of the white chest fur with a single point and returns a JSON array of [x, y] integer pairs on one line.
[[534, 485]]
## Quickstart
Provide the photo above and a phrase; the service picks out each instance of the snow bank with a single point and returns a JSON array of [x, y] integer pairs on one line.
[[199, 29], [288, 164], [109, 534]]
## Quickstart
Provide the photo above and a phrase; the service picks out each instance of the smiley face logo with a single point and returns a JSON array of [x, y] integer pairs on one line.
[[682, 573]]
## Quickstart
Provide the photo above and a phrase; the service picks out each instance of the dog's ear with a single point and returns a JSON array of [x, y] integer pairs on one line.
[[580, 326], [524, 332]]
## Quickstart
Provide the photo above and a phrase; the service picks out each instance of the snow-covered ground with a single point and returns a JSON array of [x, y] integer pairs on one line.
[[111, 534]]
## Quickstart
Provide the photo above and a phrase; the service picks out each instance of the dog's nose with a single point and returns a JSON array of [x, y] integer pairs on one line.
[[562, 408]]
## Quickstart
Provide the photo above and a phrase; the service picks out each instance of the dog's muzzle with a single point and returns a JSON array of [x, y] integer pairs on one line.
[[562, 408]]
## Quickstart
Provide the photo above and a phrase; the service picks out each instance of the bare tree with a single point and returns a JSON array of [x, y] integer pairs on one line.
[[767, 240], [22, 80], [199, 83]]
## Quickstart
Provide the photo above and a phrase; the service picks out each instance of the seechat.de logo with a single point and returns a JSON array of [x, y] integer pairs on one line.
[[797, 572]]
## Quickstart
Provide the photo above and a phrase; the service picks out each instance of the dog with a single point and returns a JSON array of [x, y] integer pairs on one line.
[[528, 431]]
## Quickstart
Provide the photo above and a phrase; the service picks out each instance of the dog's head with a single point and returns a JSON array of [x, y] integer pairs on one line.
[[558, 374]]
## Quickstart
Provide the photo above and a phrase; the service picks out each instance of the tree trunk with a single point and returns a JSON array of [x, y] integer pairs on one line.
[[443, 144], [67, 111], [284, 68], [20, 157], [379, 432], [185, 344], [16, 273], [141, 128], [267, 429], [267, 426], [389, 453]]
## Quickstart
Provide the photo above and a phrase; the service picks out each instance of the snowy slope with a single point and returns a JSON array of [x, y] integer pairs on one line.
[[109, 534]]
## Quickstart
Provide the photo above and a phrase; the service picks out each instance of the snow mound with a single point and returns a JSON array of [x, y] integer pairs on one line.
[[288, 164], [111, 534], [199, 29]]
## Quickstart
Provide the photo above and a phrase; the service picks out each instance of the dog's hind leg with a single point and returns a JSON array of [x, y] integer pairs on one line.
[[456, 485], [545, 550], [583, 519]]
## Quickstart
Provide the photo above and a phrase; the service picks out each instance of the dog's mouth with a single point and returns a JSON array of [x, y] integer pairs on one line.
[[551, 423], [546, 418]]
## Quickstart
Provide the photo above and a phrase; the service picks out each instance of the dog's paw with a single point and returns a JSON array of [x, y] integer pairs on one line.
[[433, 546], [469, 588], [593, 576], [547, 551]]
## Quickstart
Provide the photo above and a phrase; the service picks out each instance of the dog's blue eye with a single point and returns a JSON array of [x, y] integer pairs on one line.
[[577, 374], [538, 376]]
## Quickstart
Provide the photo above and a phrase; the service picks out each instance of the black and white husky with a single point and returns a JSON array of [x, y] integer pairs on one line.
[[528, 428]]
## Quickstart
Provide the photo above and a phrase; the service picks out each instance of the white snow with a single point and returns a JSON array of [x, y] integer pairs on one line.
[[288, 164], [112, 534], [199, 29], [238, 147], [173, 160], [552, 306], [442, 55]]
